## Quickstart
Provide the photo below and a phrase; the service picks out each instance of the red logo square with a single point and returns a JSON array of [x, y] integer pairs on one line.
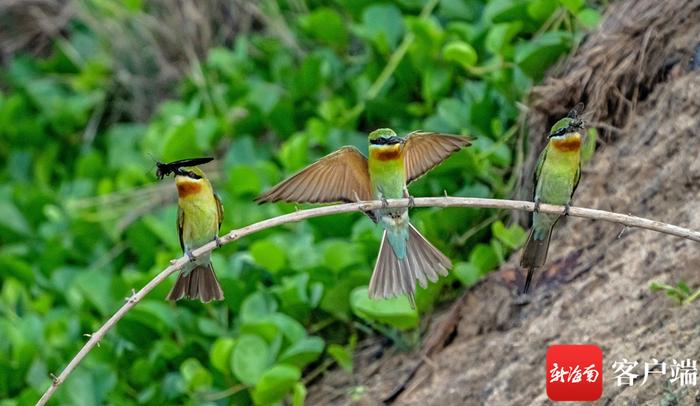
[[574, 372]]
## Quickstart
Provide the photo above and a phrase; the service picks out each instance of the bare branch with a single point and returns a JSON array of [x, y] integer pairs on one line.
[[233, 235]]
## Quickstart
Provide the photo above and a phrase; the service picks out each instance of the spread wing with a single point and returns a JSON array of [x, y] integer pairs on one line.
[[342, 176], [219, 210], [424, 150], [180, 222]]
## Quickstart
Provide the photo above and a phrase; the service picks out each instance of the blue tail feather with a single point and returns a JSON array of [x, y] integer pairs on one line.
[[397, 239]]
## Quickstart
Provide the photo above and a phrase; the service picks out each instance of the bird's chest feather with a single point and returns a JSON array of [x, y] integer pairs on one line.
[[558, 174], [200, 215], [386, 170]]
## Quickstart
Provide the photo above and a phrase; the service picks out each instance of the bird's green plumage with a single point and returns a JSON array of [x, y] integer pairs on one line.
[[557, 176], [388, 179]]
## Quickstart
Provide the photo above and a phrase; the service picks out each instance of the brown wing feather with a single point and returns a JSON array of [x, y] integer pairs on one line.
[[180, 222], [342, 176], [424, 150]]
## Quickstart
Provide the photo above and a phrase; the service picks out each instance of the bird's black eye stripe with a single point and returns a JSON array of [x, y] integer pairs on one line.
[[385, 141], [189, 174], [559, 132], [575, 125]]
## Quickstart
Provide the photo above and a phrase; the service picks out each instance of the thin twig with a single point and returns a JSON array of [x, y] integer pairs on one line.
[[296, 216]]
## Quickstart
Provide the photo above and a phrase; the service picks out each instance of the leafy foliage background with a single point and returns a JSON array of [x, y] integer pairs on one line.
[[84, 221]]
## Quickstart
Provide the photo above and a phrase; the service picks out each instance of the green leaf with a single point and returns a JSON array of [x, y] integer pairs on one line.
[[95, 286], [292, 330], [257, 306], [382, 24], [269, 255], [683, 288], [396, 312], [197, 378], [251, 356], [294, 295], [483, 257], [436, 81], [220, 354], [460, 9], [589, 18], [339, 254], [326, 25], [461, 53], [505, 10], [299, 394], [275, 383], [294, 153], [181, 142], [541, 10], [535, 56], [500, 35], [263, 327], [12, 218], [341, 355], [467, 273], [244, 180], [573, 5], [303, 352], [657, 286], [513, 236]]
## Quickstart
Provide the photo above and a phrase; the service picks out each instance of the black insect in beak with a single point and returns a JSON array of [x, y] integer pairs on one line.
[[165, 169]]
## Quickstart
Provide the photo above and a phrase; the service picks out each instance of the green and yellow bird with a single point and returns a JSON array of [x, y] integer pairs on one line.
[[199, 218], [347, 176], [556, 177]]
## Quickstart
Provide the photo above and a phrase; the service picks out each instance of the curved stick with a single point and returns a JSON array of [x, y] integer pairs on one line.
[[446, 201]]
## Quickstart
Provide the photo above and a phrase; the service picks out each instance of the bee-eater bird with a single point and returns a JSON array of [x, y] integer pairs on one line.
[[199, 218], [556, 177], [347, 176]]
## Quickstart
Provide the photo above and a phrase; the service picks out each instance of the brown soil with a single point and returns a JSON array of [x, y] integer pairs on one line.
[[636, 76]]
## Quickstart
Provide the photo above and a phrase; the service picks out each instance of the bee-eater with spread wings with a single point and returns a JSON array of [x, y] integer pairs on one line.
[[556, 176], [346, 176], [199, 218]]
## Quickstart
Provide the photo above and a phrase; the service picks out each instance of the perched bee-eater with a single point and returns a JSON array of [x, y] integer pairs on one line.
[[346, 175], [199, 218], [556, 176]]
